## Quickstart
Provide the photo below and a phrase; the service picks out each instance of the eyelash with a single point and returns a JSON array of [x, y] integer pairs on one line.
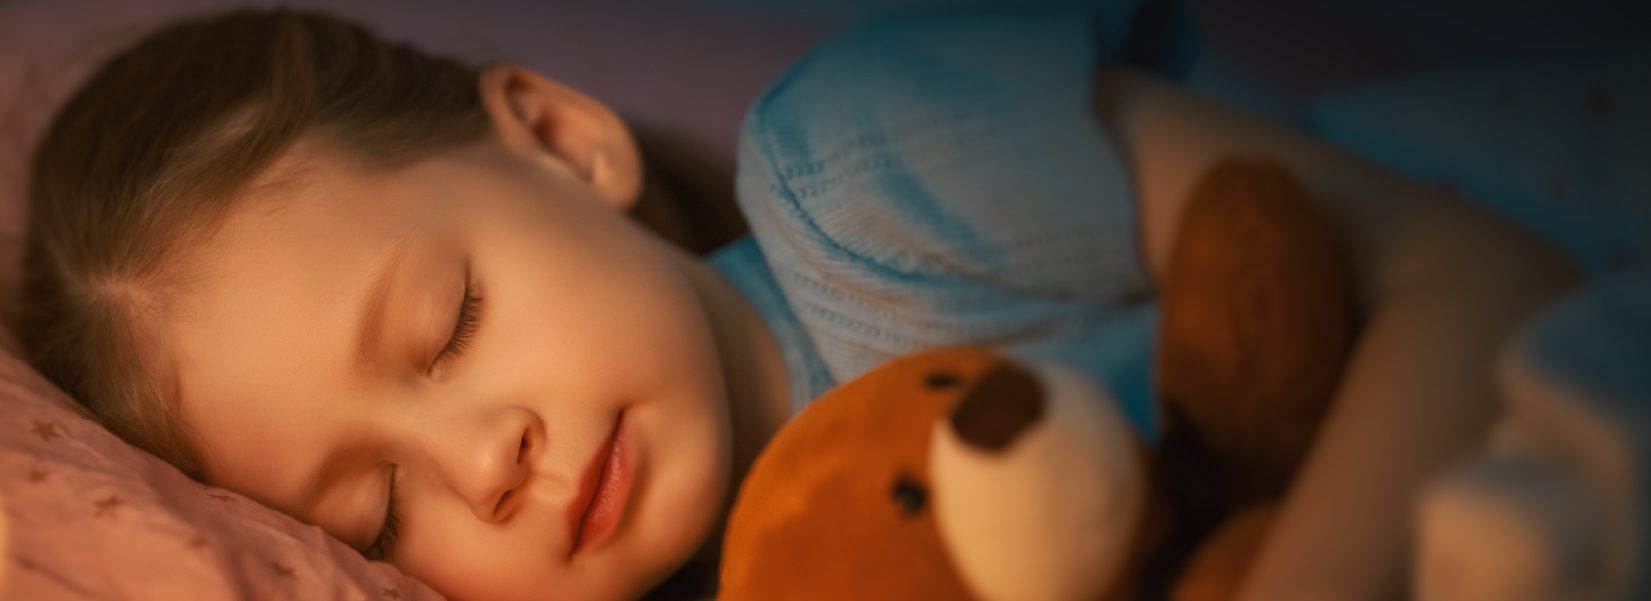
[[463, 329], [392, 526]]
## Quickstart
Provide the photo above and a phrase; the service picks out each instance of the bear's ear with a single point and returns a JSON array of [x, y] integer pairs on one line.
[[1257, 320], [1039, 484]]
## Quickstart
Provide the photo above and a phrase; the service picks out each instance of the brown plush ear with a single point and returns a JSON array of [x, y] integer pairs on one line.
[[1258, 320]]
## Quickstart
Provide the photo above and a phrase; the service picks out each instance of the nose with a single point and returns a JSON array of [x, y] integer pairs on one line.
[[1005, 402], [486, 458]]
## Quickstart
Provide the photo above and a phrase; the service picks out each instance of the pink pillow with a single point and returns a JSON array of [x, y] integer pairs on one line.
[[92, 517]]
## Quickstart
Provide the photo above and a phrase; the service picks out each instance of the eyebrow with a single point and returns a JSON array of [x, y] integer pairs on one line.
[[371, 307]]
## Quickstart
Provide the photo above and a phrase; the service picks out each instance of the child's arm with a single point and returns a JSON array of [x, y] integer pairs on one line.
[[1440, 284]]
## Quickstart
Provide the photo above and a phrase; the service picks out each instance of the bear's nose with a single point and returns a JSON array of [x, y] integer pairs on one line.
[[1004, 402]]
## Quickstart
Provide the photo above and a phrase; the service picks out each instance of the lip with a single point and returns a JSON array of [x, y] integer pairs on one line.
[[604, 489]]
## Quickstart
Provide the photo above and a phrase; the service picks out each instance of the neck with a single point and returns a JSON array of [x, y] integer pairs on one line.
[[754, 374]]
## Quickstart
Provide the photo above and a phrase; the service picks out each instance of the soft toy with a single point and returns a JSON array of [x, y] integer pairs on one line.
[[964, 474], [945, 475], [1258, 321]]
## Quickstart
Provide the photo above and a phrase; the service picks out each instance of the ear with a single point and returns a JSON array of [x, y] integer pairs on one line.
[[568, 130]]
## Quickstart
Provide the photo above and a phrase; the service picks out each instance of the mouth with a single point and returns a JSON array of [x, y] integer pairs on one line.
[[604, 489]]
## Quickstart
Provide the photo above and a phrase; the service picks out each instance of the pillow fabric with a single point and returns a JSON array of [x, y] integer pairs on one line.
[[156, 534], [1560, 142]]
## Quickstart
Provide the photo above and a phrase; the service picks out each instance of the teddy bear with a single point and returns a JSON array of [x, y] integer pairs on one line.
[[937, 476], [967, 474]]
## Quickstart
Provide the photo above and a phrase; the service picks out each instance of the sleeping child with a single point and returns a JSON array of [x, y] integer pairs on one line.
[[401, 298]]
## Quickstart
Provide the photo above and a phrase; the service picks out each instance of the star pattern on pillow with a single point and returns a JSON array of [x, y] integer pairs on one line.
[[107, 506], [46, 430], [283, 571]]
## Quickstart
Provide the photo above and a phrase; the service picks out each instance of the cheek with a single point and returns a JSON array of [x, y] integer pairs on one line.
[[687, 483], [463, 560], [599, 302], [600, 343]]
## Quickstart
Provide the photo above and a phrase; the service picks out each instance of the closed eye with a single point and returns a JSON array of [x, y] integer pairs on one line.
[[464, 328], [385, 542]]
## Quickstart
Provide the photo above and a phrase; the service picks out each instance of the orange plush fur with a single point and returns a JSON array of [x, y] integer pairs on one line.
[[1257, 321], [819, 515]]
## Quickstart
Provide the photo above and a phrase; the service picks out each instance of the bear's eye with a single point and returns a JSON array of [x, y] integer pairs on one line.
[[909, 495], [941, 380]]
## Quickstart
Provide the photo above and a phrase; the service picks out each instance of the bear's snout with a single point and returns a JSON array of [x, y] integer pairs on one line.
[[1003, 403], [1037, 484]]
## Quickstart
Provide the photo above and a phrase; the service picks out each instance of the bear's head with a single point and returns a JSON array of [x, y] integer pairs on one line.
[[953, 474]]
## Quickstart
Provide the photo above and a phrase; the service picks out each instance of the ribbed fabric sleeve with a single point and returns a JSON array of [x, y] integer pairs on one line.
[[939, 178], [744, 266]]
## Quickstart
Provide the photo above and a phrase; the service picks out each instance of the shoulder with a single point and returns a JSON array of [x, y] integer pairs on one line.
[[885, 73], [921, 62], [941, 179], [929, 142]]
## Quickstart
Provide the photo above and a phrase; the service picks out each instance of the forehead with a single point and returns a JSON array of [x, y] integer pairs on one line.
[[306, 226], [317, 189], [265, 326]]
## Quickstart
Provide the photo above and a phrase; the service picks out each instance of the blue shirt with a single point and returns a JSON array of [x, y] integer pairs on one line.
[[938, 179]]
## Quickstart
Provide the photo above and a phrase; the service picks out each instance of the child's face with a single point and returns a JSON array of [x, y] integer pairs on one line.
[[315, 363]]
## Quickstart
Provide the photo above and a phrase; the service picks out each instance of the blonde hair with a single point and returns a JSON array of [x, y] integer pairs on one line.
[[149, 155]]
